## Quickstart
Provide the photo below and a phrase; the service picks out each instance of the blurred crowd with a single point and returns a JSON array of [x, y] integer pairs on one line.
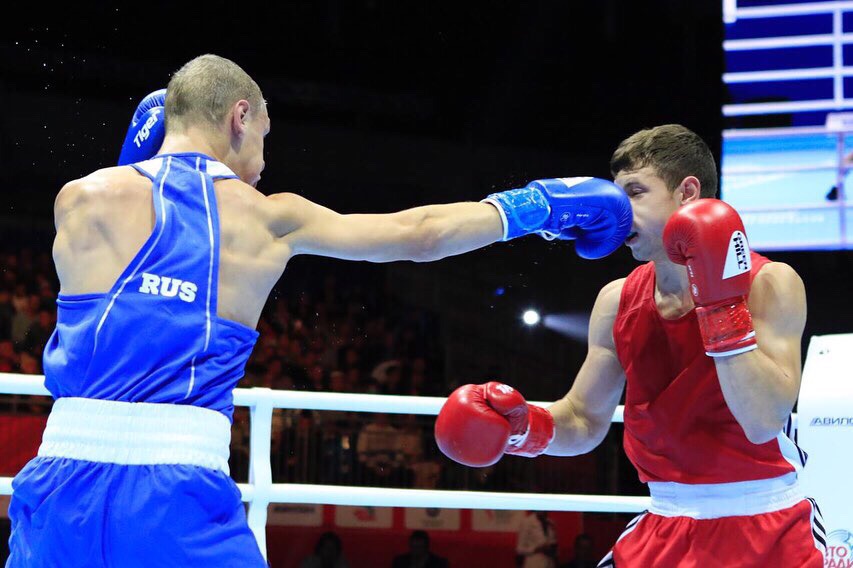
[[330, 336], [319, 334], [27, 309], [344, 337]]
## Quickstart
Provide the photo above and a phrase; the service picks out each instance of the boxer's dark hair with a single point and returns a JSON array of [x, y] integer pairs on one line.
[[205, 89], [674, 152]]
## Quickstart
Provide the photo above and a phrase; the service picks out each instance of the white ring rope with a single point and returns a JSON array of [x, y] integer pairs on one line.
[[260, 492], [427, 498]]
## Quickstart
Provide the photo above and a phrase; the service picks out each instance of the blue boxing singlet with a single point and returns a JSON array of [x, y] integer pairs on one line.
[[133, 470], [155, 336]]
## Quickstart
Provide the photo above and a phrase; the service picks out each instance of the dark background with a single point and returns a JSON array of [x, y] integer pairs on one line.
[[387, 104]]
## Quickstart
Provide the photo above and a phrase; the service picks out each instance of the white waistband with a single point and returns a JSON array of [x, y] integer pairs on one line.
[[137, 433], [714, 500]]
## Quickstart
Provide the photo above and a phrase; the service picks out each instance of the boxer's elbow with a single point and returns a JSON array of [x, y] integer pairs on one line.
[[576, 433], [595, 434], [764, 425], [575, 442], [426, 240], [759, 437], [761, 432]]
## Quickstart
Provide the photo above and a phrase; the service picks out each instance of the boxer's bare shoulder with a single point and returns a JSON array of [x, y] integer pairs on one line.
[[604, 314], [101, 221], [237, 197], [777, 302], [775, 282], [93, 195], [249, 221]]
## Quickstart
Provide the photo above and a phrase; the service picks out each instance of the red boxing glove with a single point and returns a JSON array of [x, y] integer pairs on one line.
[[708, 236], [479, 423]]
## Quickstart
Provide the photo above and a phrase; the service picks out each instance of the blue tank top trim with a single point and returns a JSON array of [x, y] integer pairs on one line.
[[155, 336]]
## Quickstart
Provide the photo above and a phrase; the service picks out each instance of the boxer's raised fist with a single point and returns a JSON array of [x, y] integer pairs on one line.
[[708, 237], [479, 423], [146, 131], [594, 212]]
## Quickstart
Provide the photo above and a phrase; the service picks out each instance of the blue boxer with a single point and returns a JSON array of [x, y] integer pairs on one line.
[[133, 467]]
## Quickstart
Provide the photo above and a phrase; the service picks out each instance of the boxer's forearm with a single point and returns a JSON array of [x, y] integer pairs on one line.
[[574, 434], [758, 393], [454, 228]]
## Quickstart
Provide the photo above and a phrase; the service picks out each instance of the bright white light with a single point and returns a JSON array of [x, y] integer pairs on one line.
[[530, 317]]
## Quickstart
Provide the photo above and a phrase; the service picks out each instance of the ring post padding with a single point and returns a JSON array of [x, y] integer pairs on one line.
[[825, 433], [260, 471]]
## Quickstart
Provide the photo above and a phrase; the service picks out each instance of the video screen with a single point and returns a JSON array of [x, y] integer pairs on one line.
[[788, 143]]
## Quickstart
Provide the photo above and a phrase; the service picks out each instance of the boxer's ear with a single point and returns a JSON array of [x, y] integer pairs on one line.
[[689, 190], [240, 117]]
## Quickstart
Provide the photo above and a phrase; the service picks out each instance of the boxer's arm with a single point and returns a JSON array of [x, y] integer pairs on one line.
[[79, 233], [582, 417], [761, 386], [421, 234]]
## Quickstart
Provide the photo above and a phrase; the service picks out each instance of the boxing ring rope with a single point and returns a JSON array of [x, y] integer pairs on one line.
[[261, 491]]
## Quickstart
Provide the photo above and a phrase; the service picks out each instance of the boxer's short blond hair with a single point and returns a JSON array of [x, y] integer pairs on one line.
[[204, 90], [674, 152]]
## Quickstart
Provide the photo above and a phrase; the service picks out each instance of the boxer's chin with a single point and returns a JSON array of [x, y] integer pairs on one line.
[[639, 253]]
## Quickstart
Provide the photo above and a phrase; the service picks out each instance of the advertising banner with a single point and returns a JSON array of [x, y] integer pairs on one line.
[[825, 433]]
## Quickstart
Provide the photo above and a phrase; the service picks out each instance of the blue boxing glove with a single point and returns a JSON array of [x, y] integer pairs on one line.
[[594, 212], [146, 131]]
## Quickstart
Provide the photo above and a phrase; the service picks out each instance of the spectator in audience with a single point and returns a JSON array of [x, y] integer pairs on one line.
[[337, 381], [380, 372], [23, 317], [328, 553], [584, 553], [393, 380], [39, 332], [419, 555], [426, 473], [378, 450], [9, 359], [354, 383], [7, 312], [537, 541], [416, 385], [29, 365], [411, 439], [411, 446], [317, 378], [351, 358]]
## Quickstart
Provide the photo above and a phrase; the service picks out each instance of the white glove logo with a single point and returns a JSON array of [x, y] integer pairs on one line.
[[505, 389], [145, 131], [738, 260]]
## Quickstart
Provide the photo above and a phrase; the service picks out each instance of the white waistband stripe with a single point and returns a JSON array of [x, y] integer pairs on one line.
[[137, 433], [712, 501]]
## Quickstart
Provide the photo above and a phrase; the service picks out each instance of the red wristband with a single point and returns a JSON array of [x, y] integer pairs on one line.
[[540, 432], [726, 327]]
